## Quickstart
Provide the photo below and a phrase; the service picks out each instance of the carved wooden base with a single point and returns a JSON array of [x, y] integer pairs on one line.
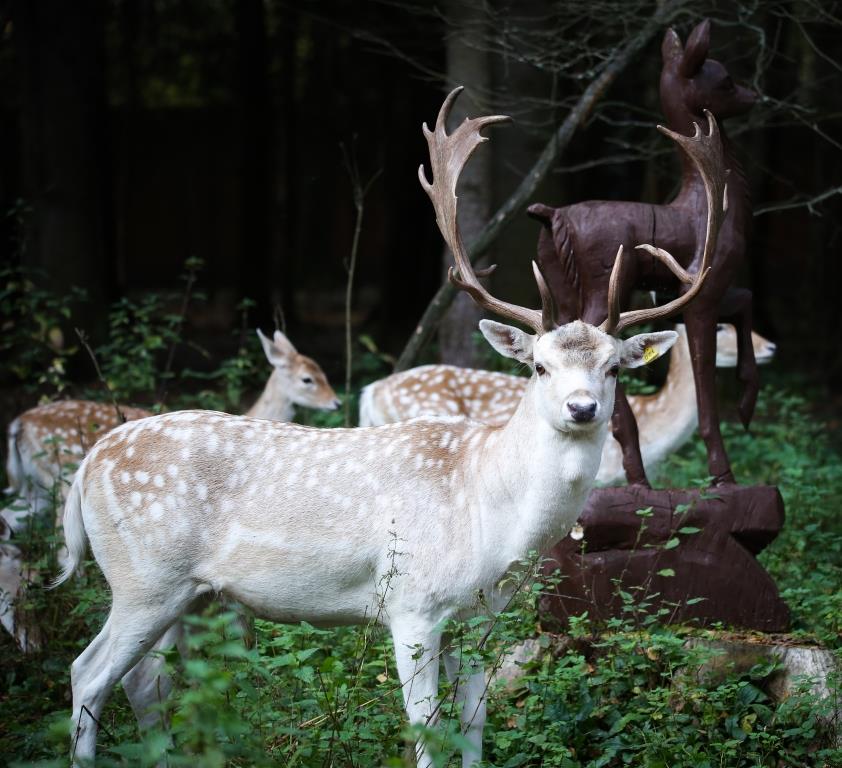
[[624, 550]]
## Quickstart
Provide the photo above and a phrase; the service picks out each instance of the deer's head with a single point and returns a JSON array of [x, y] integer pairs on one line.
[[693, 82], [296, 377], [575, 367]]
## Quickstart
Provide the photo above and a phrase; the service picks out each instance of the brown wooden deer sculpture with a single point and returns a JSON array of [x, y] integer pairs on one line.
[[577, 265]]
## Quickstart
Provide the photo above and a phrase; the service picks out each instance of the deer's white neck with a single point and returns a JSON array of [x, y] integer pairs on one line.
[[273, 403], [532, 481]]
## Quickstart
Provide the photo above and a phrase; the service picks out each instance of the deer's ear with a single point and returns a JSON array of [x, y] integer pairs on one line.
[[508, 341], [696, 50], [278, 350], [542, 213], [671, 49], [645, 347]]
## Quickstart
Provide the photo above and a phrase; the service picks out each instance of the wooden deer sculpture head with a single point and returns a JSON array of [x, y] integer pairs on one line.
[[694, 89]]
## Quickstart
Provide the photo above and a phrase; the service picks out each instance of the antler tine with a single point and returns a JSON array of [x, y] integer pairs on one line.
[[707, 154], [668, 260], [448, 156], [610, 324], [705, 150], [549, 311]]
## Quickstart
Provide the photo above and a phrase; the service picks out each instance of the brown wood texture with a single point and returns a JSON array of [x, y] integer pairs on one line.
[[623, 550]]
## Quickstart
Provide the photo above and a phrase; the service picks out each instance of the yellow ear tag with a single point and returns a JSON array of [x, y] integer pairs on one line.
[[649, 354]]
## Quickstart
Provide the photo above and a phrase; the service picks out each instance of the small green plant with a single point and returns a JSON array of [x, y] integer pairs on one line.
[[34, 322]]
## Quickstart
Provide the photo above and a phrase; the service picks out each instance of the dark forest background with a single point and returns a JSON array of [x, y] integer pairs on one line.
[[135, 134]]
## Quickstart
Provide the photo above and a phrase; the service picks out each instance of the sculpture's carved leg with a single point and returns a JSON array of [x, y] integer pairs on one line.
[[624, 429], [701, 336], [736, 308]]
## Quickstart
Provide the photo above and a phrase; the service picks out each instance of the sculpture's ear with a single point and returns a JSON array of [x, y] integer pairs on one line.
[[278, 350], [645, 347], [508, 341], [696, 50], [671, 49], [542, 213]]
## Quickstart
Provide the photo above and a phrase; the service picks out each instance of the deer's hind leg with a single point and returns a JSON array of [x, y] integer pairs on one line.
[[471, 689], [132, 628], [147, 684]]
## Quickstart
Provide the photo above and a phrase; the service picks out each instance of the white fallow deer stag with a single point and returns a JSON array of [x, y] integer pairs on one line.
[[301, 524], [46, 443], [665, 419]]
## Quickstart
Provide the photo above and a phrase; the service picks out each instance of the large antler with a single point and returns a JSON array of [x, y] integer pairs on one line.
[[707, 155], [448, 156]]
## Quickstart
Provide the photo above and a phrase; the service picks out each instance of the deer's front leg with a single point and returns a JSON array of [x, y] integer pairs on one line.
[[624, 429], [701, 337], [417, 658]]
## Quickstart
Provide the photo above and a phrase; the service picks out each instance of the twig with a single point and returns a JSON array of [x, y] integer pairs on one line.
[[193, 266], [808, 204], [90, 714], [359, 191], [84, 341]]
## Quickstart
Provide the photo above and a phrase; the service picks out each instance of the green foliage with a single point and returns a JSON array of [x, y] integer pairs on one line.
[[626, 694], [35, 324], [136, 361]]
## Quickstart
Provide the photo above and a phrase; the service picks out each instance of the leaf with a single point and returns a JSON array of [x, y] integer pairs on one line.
[[672, 543], [688, 529], [666, 572]]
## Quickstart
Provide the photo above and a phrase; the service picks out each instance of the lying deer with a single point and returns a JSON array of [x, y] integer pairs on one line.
[[47, 442], [571, 246], [666, 419], [300, 523]]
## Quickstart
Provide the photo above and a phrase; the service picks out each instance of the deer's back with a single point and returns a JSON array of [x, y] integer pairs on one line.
[[240, 503]]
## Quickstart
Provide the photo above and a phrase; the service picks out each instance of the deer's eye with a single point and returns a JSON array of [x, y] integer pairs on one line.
[[614, 370], [307, 379], [540, 370]]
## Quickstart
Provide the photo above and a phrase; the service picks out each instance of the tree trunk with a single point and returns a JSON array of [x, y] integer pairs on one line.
[[467, 64], [256, 263], [65, 152]]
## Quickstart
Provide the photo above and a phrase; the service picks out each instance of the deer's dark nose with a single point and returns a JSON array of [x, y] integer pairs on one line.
[[582, 410]]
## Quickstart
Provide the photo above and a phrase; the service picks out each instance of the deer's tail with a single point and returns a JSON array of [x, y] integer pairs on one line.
[[75, 537], [14, 465]]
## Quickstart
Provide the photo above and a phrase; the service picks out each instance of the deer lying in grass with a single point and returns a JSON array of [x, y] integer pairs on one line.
[[47, 442], [666, 419], [300, 523]]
